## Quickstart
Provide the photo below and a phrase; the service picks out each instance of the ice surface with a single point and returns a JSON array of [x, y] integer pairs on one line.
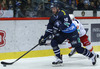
[[77, 61]]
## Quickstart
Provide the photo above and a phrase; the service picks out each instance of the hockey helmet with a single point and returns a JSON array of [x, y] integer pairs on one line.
[[57, 5]]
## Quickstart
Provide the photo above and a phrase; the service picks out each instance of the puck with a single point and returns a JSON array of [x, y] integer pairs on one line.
[[4, 65]]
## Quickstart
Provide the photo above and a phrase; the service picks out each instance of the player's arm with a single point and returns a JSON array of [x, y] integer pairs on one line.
[[67, 26], [77, 25], [48, 32], [49, 29]]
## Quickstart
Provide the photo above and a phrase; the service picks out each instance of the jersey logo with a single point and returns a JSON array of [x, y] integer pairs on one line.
[[65, 19], [2, 38], [70, 29], [67, 24]]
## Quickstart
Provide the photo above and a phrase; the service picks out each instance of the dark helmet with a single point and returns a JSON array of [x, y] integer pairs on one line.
[[57, 5]]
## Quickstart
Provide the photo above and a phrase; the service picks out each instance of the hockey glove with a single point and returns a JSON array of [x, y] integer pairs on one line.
[[42, 41]]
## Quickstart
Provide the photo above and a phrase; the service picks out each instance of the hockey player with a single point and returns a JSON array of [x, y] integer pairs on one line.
[[62, 27], [83, 37]]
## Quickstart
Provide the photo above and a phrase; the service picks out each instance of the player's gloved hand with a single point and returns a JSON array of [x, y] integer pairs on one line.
[[42, 41]]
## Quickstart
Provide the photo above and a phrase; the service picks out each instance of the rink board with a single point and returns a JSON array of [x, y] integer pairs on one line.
[[22, 35], [37, 53]]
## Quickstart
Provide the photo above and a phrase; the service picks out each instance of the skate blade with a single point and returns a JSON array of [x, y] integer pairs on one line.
[[57, 65]]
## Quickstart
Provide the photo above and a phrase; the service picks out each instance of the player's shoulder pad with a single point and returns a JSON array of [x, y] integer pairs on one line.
[[64, 12]]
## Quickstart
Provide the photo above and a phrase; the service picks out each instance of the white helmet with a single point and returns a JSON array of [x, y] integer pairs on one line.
[[71, 16]]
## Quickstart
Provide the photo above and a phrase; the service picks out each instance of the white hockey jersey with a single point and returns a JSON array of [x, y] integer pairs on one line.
[[80, 28]]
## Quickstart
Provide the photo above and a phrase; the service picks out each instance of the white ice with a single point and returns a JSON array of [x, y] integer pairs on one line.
[[77, 61]]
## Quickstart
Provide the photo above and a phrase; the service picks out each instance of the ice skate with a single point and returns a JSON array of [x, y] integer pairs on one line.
[[72, 53], [97, 55], [93, 59], [58, 61]]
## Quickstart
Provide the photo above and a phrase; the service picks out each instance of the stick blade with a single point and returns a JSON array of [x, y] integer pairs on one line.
[[6, 63]]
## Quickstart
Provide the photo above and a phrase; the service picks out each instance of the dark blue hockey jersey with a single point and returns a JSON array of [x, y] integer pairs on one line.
[[64, 23]]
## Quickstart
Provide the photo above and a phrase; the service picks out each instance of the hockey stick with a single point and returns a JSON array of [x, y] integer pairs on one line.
[[7, 63]]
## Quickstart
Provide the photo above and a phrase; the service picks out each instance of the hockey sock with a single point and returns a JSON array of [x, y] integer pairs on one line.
[[57, 52], [90, 48], [87, 53], [56, 49], [84, 51]]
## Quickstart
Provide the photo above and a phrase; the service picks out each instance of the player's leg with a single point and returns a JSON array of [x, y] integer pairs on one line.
[[87, 44], [75, 42], [73, 51], [54, 43], [71, 48], [56, 51]]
